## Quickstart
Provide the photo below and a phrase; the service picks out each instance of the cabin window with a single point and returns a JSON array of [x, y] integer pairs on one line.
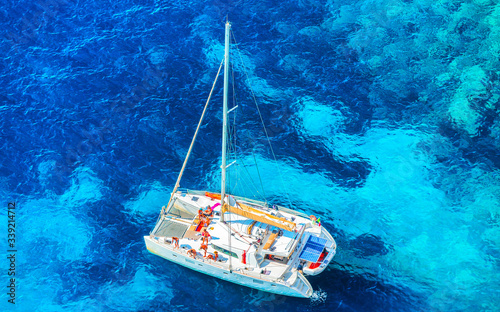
[[276, 258], [225, 251]]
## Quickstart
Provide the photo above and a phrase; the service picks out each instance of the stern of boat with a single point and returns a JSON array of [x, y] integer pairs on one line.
[[326, 255], [303, 286], [298, 284]]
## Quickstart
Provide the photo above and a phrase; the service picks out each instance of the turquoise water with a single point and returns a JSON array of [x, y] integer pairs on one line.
[[383, 116]]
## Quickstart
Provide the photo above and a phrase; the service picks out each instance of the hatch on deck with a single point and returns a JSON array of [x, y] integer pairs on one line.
[[313, 249]]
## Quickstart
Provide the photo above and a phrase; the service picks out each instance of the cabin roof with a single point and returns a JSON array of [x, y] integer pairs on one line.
[[242, 241]]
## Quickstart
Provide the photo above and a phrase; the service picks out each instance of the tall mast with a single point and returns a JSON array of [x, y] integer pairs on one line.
[[224, 116]]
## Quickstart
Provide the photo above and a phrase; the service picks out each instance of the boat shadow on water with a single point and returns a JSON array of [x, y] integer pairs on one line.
[[339, 286]]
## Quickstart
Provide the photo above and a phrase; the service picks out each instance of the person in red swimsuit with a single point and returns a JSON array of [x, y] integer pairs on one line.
[[206, 236]]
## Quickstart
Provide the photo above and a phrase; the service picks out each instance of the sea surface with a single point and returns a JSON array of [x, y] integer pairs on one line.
[[383, 117]]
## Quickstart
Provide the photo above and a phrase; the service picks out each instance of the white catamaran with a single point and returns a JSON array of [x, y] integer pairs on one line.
[[237, 239]]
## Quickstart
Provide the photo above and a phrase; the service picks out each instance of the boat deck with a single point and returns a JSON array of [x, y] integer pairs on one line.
[[268, 249], [246, 235]]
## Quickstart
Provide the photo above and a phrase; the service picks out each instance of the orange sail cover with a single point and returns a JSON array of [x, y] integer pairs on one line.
[[260, 216]]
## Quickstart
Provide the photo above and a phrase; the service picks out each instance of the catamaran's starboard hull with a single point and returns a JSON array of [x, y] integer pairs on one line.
[[300, 288]]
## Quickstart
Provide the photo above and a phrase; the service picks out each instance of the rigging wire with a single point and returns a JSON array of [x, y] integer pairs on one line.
[[258, 173], [251, 181], [233, 145], [262, 120], [177, 183]]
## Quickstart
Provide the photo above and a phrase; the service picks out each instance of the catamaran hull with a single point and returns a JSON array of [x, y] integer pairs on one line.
[[300, 288]]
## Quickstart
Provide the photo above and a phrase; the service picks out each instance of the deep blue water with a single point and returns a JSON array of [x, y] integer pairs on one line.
[[383, 116]]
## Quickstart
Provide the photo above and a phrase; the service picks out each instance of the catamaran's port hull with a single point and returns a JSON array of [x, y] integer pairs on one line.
[[165, 252]]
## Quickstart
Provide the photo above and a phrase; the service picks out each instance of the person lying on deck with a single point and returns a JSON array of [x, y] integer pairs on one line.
[[215, 257], [204, 221], [192, 253]]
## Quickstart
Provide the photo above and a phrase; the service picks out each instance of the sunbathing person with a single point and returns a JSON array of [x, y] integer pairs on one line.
[[214, 258], [208, 212], [204, 221]]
